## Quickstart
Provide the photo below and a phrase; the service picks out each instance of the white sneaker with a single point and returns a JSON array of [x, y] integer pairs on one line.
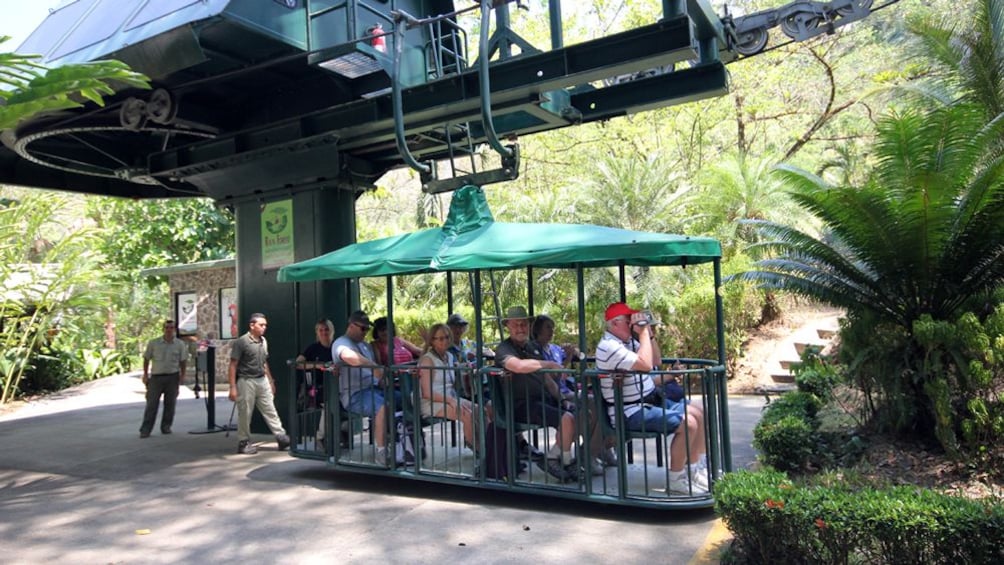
[[679, 484], [608, 457], [380, 456], [699, 477], [597, 468]]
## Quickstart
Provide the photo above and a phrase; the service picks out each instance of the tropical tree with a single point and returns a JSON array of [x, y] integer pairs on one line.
[[968, 62], [159, 233], [137, 235], [920, 239], [741, 187], [49, 277], [28, 88]]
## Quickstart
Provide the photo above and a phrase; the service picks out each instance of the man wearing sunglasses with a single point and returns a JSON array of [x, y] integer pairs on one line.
[[359, 380]]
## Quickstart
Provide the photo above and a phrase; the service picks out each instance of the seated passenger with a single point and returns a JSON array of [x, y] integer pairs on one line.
[[464, 351], [436, 383], [600, 447], [536, 398], [359, 383], [312, 363], [404, 351], [460, 347], [627, 346], [542, 331]]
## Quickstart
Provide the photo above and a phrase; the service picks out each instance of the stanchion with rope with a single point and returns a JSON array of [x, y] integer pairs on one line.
[[206, 365]]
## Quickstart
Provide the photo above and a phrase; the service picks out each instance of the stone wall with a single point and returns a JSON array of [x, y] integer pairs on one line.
[[207, 283]]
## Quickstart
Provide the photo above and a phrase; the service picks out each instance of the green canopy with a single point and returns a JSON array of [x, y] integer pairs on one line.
[[471, 239]]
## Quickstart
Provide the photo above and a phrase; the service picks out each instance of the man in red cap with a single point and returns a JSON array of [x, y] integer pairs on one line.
[[627, 347]]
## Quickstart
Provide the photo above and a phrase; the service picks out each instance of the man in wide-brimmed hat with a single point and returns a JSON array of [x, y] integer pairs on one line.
[[536, 398]]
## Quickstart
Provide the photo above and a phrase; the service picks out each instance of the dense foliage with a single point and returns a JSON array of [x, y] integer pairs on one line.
[[778, 521], [917, 245], [50, 275]]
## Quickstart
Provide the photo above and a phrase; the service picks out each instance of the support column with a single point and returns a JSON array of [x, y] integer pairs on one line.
[[323, 220]]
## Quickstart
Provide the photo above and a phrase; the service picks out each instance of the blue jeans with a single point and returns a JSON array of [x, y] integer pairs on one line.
[[369, 401], [656, 419]]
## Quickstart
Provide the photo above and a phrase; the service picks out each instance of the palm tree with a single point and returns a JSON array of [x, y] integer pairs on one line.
[[969, 61], [742, 187], [635, 194], [924, 235], [27, 88]]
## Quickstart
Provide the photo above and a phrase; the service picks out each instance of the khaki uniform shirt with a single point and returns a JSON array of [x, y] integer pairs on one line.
[[166, 357]]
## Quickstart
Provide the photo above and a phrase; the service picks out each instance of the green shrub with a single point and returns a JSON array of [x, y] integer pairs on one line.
[[754, 506], [56, 369], [785, 443], [691, 325], [775, 521], [941, 380], [814, 375], [797, 403]]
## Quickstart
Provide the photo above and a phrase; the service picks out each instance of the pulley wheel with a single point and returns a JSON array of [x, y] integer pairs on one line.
[[132, 114], [752, 42], [162, 108]]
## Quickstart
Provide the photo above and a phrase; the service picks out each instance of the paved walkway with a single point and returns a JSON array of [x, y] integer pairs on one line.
[[77, 485]]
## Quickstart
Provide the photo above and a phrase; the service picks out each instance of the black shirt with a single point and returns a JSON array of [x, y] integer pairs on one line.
[[317, 353], [525, 386]]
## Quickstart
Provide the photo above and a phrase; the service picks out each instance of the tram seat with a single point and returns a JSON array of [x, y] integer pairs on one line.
[[349, 422], [499, 392], [411, 397], [629, 435]]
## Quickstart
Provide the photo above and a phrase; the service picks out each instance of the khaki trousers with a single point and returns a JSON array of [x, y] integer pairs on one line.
[[251, 393]]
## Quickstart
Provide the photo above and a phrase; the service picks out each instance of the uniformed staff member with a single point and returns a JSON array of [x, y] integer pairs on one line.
[[167, 355], [251, 384]]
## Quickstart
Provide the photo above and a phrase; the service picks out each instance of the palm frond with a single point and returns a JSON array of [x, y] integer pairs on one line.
[[64, 87]]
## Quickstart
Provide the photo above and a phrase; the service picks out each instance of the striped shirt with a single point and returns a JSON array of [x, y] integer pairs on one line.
[[612, 354]]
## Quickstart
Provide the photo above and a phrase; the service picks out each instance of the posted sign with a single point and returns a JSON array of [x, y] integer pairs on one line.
[[277, 234]]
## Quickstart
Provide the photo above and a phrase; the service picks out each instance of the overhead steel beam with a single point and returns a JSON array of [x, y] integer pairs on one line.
[[698, 83], [364, 122]]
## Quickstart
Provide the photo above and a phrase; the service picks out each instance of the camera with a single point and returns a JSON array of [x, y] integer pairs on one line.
[[649, 319]]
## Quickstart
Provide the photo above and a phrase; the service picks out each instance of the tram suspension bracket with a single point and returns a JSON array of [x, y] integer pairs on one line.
[[508, 171]]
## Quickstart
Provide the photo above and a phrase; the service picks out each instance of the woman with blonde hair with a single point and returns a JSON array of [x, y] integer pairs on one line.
[[436, 384]]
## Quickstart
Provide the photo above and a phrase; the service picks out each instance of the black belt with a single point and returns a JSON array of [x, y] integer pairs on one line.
[[258, 377], [174, 374], [655, 397]]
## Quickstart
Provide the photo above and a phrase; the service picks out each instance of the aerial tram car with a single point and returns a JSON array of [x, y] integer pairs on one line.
[[471, 243]]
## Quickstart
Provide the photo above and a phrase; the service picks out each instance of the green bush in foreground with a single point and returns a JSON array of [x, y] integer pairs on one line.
[[776, 521]]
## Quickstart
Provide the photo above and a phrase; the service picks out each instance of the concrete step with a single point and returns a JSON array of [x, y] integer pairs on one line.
[[825, 333], [801, 346], [779, 388], [786, 378], [789, 365]]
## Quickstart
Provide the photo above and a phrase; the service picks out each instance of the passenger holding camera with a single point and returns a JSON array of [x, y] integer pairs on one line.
[[628, 351]]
